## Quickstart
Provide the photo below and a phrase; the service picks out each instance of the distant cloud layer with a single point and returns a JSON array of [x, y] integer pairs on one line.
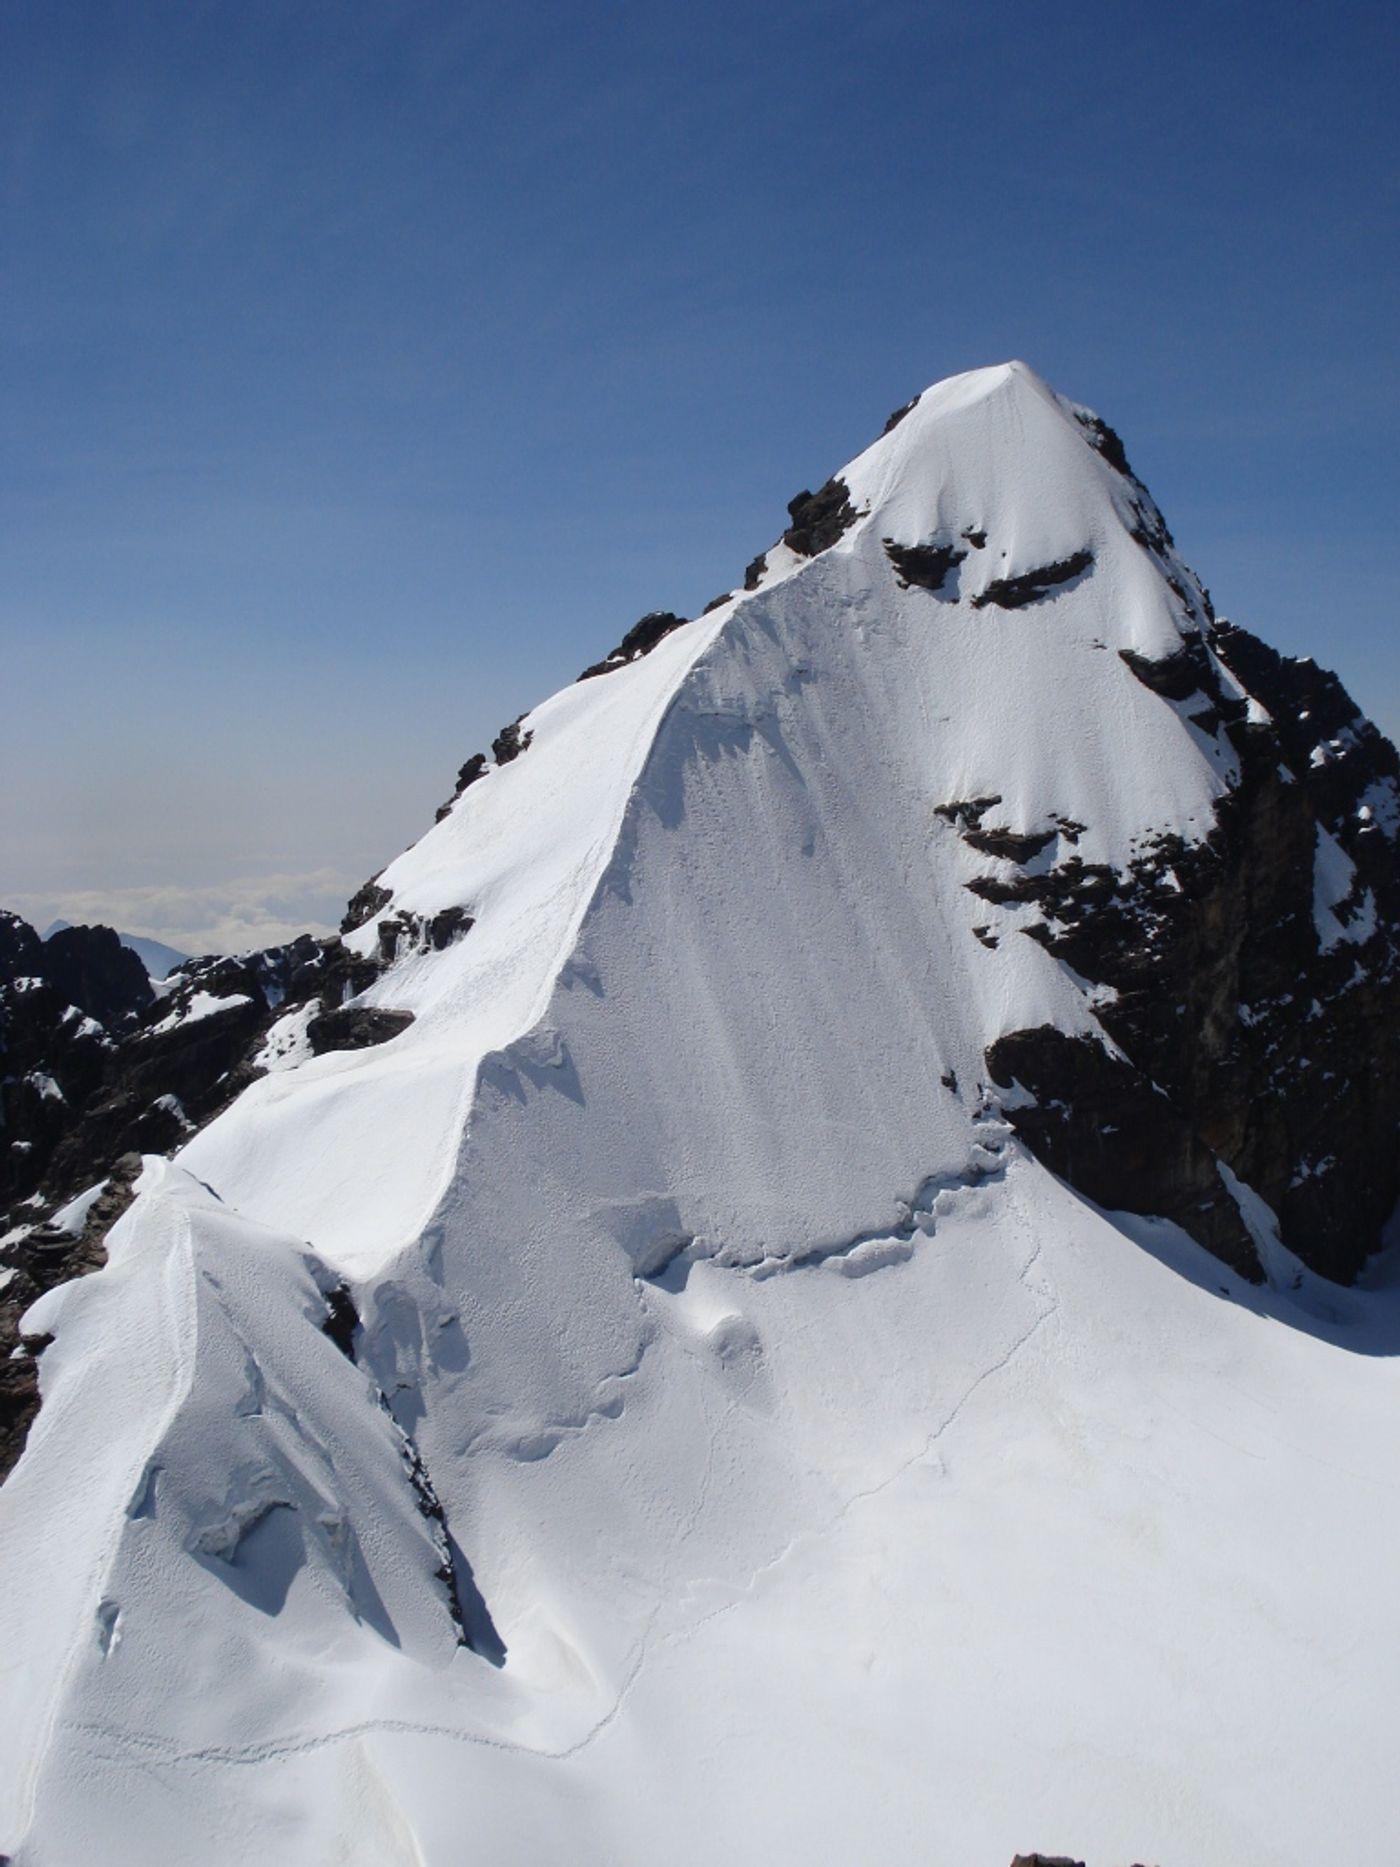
[[223, 917]]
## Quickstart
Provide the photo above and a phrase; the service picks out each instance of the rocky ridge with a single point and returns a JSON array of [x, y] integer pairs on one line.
[[1248, 981], [99, 1068]]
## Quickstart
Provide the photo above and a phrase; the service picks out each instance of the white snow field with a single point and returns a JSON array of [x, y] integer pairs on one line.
[[824, 1481]]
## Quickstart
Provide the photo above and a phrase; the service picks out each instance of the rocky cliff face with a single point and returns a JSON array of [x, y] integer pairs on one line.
[[65, 1006], [1251, 981]]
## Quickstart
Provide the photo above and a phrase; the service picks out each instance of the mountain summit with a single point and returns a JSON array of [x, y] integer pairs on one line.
[[779, 1292]]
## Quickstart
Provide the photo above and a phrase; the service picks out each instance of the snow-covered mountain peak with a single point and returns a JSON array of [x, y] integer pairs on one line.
[[996, 455], [704, 1284], [981, 449], [938, 626]]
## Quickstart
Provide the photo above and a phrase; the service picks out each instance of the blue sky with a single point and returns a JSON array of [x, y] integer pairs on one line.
[[368, 368]]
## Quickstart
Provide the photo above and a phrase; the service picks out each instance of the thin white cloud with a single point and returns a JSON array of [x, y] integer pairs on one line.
[[221, 917]]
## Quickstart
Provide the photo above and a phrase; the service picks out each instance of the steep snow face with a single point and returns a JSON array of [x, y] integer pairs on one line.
[[522, 854], [766, 783], [812, 1475]]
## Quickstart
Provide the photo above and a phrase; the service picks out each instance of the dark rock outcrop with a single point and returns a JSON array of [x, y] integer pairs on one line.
[[925, 565], [474, 768], [87, 967], [50, 1256], [367, 901], [66, 1004], [403, 933], [1268, 1029], [639, 640], [1106, 441], [1031, 585], [21, 949], [1147, 526], [898, 415], [1050, 1860], [967, 811], [76, 1093], [355, 1027], [447, 926], [819, 519], [1188, 671], [1100, 1124], [90, 968], [509, 742], [1008, 844], [342, 1322]]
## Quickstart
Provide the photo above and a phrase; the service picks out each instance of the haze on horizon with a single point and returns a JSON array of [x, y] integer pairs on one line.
[[369, 370]]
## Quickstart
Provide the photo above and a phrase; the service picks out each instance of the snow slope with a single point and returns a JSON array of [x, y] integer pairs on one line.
[[839, 1486]]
